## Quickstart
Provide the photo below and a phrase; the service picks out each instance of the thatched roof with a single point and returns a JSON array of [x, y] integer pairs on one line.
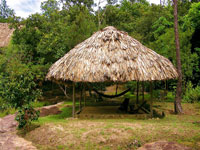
[[5, 34], [111, 55]]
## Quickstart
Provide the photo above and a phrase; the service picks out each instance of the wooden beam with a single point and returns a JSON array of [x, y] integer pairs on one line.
[[143, 91], [84, 92], [137, 96], [165, 92], [81, 97], [151, 99], [73, 109], [116, 89]]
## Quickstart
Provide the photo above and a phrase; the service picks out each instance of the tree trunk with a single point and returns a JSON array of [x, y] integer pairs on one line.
[[177, 103]]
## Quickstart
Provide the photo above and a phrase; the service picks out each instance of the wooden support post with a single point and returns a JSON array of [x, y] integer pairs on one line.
[[84, 92], [116, 89], [73, 109], [143, 91], [81, 97], [165, 93], [151, 99], [137, 96]]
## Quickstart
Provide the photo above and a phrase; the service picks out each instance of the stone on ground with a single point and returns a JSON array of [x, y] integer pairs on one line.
[[163, 145]]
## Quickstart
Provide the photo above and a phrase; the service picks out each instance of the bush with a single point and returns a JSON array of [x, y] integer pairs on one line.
[[19, 92], [192, 94], [129, 95], [170, 97], [132, 85], [157, 94], [25, 115]]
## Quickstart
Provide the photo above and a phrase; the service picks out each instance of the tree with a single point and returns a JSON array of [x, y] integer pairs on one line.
[[71, 3], [18, 89], [192, 20], [5, 11], [177, 104], [50, 6]]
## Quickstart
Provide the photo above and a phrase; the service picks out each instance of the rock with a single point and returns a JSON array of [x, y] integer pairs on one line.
[[9, 140], [164, 145], [49, 110], [8, 123]]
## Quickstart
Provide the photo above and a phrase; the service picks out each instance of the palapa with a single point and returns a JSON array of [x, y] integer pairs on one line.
[[5, 34], [111, 55]]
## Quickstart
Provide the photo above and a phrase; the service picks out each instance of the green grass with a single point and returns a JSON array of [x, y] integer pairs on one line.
[[7, 112], [37, 104], [66, 113], [70, 102], [117, 133]]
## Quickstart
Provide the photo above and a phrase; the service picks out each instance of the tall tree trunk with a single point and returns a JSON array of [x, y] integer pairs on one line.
[[177, 103]]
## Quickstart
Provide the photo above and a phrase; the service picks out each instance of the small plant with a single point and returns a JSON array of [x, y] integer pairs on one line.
[[25, 115]]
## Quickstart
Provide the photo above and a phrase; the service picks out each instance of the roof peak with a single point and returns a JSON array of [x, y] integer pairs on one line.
[[109, 28]]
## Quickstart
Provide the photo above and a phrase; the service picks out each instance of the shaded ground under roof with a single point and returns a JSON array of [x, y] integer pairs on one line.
[[107, 112]]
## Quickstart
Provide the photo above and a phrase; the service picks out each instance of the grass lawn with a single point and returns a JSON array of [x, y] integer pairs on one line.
[[62, 132]]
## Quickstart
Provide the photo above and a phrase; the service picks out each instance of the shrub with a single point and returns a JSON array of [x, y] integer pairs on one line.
[[192, 94], [170, 97], [25, 115], [20, 91], [129, 95]]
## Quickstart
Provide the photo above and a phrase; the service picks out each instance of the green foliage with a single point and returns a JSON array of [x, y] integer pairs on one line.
[[128, 95], [160, 26], [70, 3], [132, 85], [192, 94], [25, 115], [37, 104], [193, 16], [20, 90], [164, 45], [170, 97], [49, 7]]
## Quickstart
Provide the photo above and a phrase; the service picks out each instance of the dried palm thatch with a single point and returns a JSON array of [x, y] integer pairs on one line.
[[5, 34], [111, 55]]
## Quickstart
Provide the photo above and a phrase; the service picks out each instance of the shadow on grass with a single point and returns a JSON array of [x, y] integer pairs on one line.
[[23, 132]]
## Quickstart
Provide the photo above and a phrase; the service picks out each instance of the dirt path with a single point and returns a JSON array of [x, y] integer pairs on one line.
[[9, 140]]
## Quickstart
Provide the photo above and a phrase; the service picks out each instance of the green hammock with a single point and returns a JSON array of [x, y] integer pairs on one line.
[[111, 96]]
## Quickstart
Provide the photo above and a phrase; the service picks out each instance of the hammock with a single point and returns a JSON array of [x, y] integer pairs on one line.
[[111, 96]]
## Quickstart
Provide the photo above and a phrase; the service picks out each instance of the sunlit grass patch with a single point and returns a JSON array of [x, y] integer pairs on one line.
[[66, 113]]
